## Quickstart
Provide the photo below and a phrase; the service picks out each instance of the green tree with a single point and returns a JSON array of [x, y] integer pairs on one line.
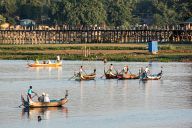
[[119, 12]]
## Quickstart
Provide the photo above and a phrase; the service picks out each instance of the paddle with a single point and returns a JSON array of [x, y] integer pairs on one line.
[[24, 100], [130, 72], [84, 72], [35, 95], [71, 77], [102, 76], [116, 71]]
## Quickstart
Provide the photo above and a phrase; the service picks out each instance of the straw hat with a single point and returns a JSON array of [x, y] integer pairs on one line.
[[43, 94]]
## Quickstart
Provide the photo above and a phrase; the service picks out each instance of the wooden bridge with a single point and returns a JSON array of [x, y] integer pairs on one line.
[[62, 36]]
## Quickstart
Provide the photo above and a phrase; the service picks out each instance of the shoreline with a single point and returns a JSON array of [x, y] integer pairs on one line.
[[133, 52]]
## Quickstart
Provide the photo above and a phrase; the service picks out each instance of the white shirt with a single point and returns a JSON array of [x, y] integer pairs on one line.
[[46, 99], [58, 58], [80, 70], [111, 67]]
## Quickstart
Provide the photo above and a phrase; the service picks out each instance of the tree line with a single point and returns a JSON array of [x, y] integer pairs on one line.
[[101, 12]]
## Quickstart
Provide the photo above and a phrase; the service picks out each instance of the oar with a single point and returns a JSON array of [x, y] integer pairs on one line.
[[120, 72], [130, 72], [116, 71], [102, 76], [34, 95], [84, 72], [71, 77], [20, 105], [23, 99]]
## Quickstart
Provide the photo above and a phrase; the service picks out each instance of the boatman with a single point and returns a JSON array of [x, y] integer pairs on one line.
[[147, 70], [111, 67], [30, 91], [58, 58]]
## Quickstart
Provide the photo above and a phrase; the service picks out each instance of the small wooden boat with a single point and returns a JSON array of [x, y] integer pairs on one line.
[[110, 75], [53, 103], [57, 64], [80, 77], [144, 76], [125, 76]]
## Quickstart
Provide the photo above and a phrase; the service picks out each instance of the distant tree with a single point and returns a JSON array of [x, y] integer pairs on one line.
[[118, 12], [75, 12], [168, 15], [2, 19], [8, 9], [89, 12]]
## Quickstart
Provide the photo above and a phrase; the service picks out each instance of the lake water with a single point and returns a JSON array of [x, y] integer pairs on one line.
[[165, 103]]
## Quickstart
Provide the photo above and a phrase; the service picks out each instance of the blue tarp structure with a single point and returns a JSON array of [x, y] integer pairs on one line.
[[153, 47]]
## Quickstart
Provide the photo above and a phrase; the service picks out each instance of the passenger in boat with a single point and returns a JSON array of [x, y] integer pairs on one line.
[[49, 62], [36, 61], [125, 69], [30, 91], [41, 98], [46, 98]]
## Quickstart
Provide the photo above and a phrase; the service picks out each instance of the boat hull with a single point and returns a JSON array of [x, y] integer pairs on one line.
[[85, 77], [110, 76], [45, 65], [48, 104], [151, 77], [127, 76], [33, 104]]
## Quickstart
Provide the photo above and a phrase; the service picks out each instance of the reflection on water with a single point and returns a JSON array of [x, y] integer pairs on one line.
[[47, 71], [45, 113]]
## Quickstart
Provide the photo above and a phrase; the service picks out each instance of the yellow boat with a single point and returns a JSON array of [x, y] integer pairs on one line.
[[57, 64]]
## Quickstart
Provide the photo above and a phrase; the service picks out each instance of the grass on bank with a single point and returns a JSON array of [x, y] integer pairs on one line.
[[49, 51]]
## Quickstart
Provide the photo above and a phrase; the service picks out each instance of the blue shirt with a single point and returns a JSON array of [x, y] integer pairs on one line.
[[30, 91]]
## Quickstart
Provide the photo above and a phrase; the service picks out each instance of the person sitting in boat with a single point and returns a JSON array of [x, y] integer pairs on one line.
[[49, 62], [125, 69], [41, 98], [30, 91], [36, 61], [46, 98]]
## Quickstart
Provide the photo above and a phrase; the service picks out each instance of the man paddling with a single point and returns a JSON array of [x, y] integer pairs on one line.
[[30, 91], [81, 70], [110, 70]]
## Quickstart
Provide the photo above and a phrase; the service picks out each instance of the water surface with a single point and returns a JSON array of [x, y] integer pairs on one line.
[[98, 103]]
